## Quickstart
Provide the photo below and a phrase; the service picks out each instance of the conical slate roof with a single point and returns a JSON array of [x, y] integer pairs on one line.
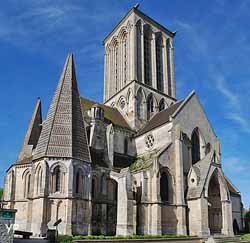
[[63, 134], [32, 134]]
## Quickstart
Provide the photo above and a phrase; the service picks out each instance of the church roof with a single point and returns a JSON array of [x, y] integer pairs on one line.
[[231, 187], [63, 133], [111, 115], [160, 118], [142, 15], [32, 134]]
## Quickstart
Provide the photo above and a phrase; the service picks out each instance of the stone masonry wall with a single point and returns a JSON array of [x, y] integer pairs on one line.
[[6, 233]]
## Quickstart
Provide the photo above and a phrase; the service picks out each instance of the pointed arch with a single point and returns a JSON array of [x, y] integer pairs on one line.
[[39, 178], [27, 183], [151, 104], [166, 185], [198, 145], [214, 204], [122, 33], [58, 171], [162, 104], [79, 181], [195, 140]]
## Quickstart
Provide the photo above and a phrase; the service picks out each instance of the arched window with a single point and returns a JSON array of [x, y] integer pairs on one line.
[[150, 107], [125, 145], [139, 50], [39, 180], [58, 180], [27, 185], [125, 58], [114, 69], [147, 57], [159, 64], [164, 190], [169, 74], [93, 188], [78, 181], [139, 104], [195, 146], [162, 105]]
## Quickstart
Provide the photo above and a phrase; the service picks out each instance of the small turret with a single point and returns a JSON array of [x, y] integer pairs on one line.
[[97, 112]]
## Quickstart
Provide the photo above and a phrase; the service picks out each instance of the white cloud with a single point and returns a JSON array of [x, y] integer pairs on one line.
[[233, 107], [240, 120], [192, 32], [224, 90], [235, 164]]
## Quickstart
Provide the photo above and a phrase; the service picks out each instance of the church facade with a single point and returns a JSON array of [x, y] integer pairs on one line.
[[142, 162]]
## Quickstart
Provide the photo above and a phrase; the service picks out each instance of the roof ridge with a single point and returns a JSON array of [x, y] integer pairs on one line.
[[159, 122], [34, 123]]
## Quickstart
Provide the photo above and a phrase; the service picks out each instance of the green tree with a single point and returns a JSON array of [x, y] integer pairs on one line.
[[247, 215], [1, 193]]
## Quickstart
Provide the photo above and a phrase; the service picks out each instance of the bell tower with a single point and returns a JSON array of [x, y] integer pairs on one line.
[[139, 54]]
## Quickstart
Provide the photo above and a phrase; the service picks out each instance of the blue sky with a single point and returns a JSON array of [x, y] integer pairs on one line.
[[212, 56]]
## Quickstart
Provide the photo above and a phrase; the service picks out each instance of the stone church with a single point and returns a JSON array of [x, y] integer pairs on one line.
[[142, 162]]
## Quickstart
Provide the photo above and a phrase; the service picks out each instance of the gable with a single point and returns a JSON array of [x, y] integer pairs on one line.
[[191, 115]]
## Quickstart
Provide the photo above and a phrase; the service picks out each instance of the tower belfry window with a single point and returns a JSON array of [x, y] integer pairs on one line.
[[159, 64], [147, 59], [169, 73], [116, 68], [125, 59]]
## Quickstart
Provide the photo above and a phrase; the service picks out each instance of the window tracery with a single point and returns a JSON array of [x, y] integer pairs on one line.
[[159, 64]]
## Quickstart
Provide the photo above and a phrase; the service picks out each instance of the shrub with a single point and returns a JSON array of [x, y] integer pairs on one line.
[[65, 239], [69, 239], [247, 215], [1, 193]]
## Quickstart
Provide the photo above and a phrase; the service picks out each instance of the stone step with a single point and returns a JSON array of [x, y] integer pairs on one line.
[[228, 239], [30, 241]]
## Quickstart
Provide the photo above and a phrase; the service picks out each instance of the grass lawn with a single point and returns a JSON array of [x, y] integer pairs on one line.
[[245, 237]]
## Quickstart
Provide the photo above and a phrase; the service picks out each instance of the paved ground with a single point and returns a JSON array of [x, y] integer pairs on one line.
[[30, 241]]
